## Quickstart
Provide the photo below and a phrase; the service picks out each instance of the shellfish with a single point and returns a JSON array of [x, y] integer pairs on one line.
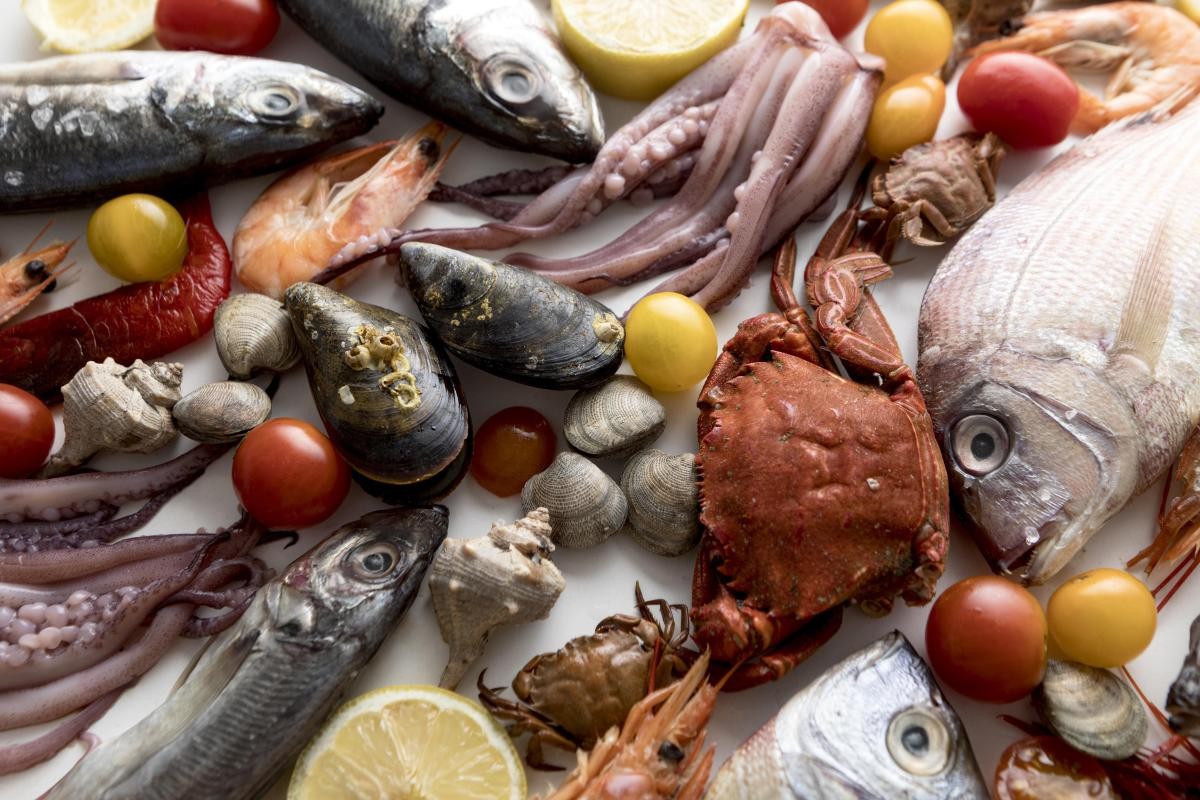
[[1091, 709], [664, 507], [512, 322], [586, 506], [221, 412], [253, 334], [616, 418], [387, 393]]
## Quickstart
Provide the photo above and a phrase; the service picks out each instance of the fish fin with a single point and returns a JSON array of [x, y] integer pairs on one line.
[[1147, 311], [72, 71]]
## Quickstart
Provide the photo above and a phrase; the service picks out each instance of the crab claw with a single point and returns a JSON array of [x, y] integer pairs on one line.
[[26, 275]]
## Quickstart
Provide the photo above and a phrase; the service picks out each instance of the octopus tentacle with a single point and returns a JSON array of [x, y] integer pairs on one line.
[[64, 565], [26, 754], [32, 531], [513, 181]]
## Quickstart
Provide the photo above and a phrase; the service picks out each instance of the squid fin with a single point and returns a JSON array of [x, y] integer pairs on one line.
[[1147, 311]]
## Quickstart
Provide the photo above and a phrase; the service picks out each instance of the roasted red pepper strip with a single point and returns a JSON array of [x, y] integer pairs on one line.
[[142, 320]]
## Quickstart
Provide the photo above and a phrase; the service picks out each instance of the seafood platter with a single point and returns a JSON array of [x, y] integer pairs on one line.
[[657, 399]]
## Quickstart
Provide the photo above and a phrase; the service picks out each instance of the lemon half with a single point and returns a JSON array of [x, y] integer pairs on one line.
[[409, 743], [87, 26]]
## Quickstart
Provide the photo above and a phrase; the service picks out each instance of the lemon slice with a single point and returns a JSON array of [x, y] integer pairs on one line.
[[638, 48], [409, 743], [86, 26]]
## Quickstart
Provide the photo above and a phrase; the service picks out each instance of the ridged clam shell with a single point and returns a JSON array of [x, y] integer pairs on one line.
[[616, 418], [586, 506], [1092, 709], [664, 510], [512, 322], [221, 412], [253, 334], [405, 431]]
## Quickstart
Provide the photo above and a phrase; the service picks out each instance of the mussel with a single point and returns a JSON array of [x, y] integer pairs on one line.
[[512, 322], [387, 392]]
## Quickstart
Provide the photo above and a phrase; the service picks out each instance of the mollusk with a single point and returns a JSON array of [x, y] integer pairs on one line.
[[253, 334], [1092, 709], [512, 322], [503, 578], [387, 393], [221, 412], [586, 506], [664, 508], [617, 418]]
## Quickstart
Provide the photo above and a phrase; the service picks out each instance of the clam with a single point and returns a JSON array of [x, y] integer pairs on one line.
[[254, 334], [387, 393], [512, 322], [664, 510], [1091, 709], [616, 418], [221, 412], [586, 506]]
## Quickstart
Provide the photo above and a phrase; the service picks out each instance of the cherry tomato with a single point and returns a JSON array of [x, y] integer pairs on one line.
[[1047, 768], [138, 237], [287, 474], [26, 432], [235, 27], [842, 16], [1103, 618], [1026, 100], [512, 446], [986, 638], [907, 114], [912, 36], [1189, 7], [670, 341]]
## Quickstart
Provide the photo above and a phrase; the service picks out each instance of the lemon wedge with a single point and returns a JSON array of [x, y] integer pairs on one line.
[[87, 26], [638, 48], [409, 743]]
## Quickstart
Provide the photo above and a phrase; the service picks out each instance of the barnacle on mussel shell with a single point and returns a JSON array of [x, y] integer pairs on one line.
[[512, 322], [387, 393]]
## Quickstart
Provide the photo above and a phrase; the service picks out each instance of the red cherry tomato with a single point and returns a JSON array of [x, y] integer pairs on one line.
[[512, 446], [842, 16], [287, 474], [1026, 100], [235, 27], [26, 432], [986, 638]]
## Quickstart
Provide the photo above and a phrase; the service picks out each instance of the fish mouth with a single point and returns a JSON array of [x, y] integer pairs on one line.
[[1186, 723]]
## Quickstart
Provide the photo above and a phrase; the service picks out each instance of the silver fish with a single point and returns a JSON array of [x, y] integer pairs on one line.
[[1059, 352], [75, 129], [491, 69], [873, 727], [1183, 701], [263, 688]]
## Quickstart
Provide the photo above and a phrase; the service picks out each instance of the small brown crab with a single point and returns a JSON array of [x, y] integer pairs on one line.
[[934, 191], [570, 698]]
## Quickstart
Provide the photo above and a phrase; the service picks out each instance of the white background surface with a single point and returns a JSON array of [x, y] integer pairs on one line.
[[600, 581]]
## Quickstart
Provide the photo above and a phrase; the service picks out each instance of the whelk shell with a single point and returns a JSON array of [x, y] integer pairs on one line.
[[503, 578], [586, 506], [221, 412], [617, 418], [664, 509], [254, 334], [1092, 709]]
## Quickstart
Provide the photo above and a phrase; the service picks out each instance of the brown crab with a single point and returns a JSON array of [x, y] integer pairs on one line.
[[932, 192], [816, 489], [570, 698]]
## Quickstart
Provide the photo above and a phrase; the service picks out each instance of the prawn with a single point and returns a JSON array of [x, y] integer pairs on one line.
[[27, 274]]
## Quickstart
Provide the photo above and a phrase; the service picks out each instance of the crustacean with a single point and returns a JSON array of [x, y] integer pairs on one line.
[[570, 698], [29, 273], [816, 489]]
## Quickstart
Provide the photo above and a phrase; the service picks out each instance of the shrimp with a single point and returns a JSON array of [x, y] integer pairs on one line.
[[27, 274], [1155, 51], [301, 220]]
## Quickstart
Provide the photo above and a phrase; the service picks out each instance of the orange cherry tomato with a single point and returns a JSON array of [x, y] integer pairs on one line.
[[512, 446], [288, 475]]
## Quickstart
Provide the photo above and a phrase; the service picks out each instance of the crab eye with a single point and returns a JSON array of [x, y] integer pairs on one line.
[[375, 560], [919, 742], [512, 81], [980, 443], [275, 102]]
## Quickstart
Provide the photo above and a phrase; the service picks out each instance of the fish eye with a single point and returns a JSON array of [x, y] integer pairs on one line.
[[374, 560], [275, 102], [919, 742], [512, 81], [979, 443]]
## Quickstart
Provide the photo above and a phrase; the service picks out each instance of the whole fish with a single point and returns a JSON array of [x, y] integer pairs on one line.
[[1059, 352], [76, 129], [264, 687], [490, 69], [1183, 701], [873, 727]]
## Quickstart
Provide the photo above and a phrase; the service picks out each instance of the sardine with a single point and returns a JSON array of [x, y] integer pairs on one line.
[[490, 69], [77, 129], [874, 727], [260, 692], [1183, 701], [1059, 350]]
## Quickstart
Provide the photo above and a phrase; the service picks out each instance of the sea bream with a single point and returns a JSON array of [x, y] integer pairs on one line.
[[264, 687], [490, 69], [77, 129], [1060, 342]]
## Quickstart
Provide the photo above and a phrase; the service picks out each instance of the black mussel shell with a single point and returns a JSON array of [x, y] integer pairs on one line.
[[512, 322], [387, 393]]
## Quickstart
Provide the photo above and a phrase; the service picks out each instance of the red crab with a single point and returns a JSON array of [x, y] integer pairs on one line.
[[816, 489]]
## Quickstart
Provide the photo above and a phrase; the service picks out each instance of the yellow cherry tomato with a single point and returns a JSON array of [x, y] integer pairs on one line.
[[138, 237], [1189, 7], [912, 36], [1103, 618], [670, 341], [906, 114]]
